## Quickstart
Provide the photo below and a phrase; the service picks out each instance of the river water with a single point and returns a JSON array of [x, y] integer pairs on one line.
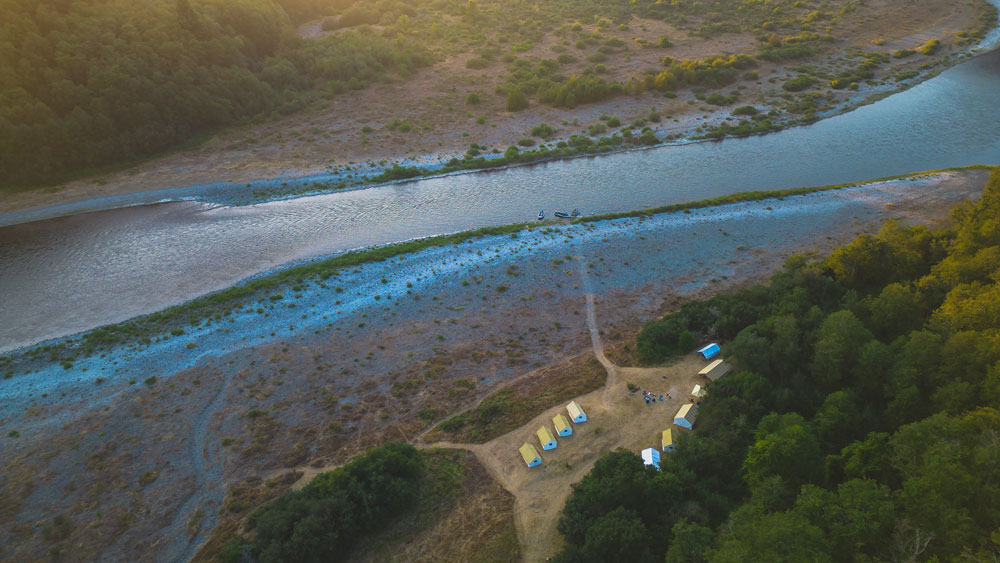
[[62, 276]]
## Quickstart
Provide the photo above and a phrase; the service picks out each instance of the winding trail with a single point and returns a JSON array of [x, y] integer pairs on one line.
[[208, 488]]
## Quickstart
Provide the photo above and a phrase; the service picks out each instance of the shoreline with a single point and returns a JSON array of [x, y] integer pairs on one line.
[[317, 376], [359, 177], [323, 268]]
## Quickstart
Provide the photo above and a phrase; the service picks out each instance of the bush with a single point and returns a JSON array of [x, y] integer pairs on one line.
[[566, 58], [477, 63], [597, 129], [745, 110], [930, 47], [473, 99], [597, 58], [516, 100], [526, 142], [798, 84], [542, 130], [664, 42]]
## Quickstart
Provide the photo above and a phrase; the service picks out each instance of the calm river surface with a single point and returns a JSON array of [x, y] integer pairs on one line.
[[61, 276]]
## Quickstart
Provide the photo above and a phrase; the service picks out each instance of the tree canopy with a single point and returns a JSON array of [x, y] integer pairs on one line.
[[861, 424], [95, 82]]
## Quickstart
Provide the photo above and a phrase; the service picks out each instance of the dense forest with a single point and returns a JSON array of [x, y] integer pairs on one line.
[[861, 424], [92, 82]]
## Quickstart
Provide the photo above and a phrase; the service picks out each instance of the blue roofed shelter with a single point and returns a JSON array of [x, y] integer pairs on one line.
[[710, 351], [651, 456]]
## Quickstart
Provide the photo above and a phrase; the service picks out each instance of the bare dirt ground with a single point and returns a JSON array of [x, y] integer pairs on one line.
[[146, 460], [330, 134]]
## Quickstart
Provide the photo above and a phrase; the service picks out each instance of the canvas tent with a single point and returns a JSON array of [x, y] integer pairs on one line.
[[667, 441], [715, 370], [686, 415], [710, 351], [545, 437], [651, 456], [530, 455], [576, 413], [562, 425], [698, 391]]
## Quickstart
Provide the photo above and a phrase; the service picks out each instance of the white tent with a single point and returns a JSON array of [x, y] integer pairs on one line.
[[686, 415], [651, 456], [698, 391]]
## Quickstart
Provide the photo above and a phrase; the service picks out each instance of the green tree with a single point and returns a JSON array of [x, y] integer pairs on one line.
[[778, 537], [689, 542], [786, 447], [840, 338]]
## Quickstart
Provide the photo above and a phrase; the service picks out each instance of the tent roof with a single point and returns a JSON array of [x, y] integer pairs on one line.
[[687, 412], [710, 350], [698, 391], [544, 435], [528, 452], [651, 456], [574, 409], [708, 369], [560, 422], [668, 437]]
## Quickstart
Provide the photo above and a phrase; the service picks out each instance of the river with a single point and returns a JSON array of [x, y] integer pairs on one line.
[[65, 275]]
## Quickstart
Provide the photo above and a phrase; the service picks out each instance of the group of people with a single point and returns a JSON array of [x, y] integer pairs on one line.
[[651, 397]]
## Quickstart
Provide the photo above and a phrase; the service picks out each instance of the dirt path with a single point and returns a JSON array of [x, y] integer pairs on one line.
[[188, 530]]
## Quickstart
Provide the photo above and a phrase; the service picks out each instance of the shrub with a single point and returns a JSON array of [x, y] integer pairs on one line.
[[473, 99], [613, 121], [930, 47], [516, 100], [903, 53], [526, 142], [798, 84], [476, 63], [745, 110], [542, 130], [566, 58], [597, 57], [664, 42]]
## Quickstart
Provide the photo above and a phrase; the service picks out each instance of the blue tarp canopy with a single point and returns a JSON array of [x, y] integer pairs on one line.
[[710, 351]]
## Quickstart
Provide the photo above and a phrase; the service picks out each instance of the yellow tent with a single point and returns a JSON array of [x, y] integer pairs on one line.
[[563, 427], [545, 437], [530, 455], [667, 441], [576, 412]]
